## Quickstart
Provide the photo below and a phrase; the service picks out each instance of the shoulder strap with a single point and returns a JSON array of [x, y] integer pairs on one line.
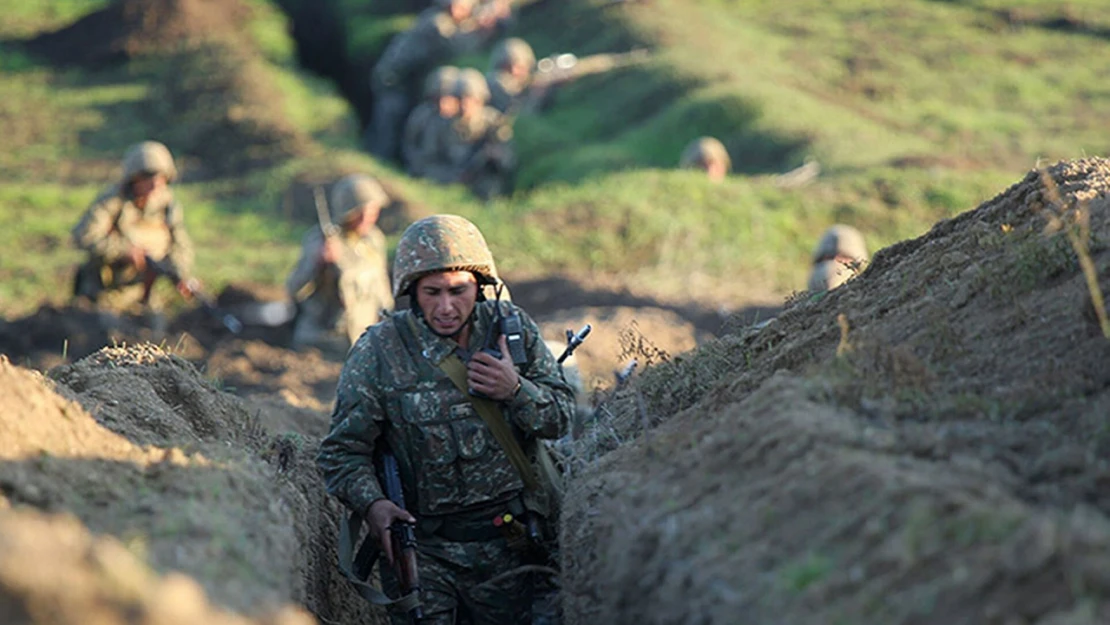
[[491, 413], [356, 567]]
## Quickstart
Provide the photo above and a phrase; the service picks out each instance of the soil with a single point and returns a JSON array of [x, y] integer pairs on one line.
[[127, 29], [925, 444]]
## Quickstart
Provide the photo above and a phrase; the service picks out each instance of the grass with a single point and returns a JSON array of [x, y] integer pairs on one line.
[[916, 112]]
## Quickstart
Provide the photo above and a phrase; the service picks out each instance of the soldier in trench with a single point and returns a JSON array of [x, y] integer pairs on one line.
[[840, 255], [341, 281], [709, 155], [133, 232], [439, 33], [397, 391]]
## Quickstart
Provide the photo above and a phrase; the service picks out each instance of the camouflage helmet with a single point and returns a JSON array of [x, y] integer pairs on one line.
[[353, 191], [148, 157], [441, 243], [512, 51], [441, 82], [840, 240], [472, 84], [704, 150]]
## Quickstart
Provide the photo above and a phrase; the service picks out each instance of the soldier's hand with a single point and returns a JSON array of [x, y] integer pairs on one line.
[[495, 378], [137, 256], [380, 516], [188, 288], [330, 252]]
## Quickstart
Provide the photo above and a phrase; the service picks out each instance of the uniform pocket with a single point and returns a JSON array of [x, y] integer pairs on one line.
[[473, 437]]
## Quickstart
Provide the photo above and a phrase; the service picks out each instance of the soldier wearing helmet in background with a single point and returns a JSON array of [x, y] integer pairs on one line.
[[478, 144], [341, 281], [428, 123], [397, 391], [709, 155], [840, 255], [134, 231], [510, 73], [399, 72]]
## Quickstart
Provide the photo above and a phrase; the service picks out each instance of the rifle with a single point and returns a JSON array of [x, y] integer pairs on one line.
[[207, 303], [573, 341], [559, 69], [402, 534]]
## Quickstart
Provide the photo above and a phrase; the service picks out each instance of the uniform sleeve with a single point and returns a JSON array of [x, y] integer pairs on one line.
[[96, 232], [346, 454], [305, 269], [545, 403], [412, 51], [181, 254]]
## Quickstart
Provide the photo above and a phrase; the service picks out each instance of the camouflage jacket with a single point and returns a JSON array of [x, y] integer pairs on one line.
[[112, 224], [413, 53], [392, 391], [505, 90], [358, 282], [474, 143], [423, 144]]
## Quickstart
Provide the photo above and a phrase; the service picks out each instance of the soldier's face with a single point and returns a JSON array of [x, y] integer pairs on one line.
[[448, 106], [447, 299], [459, 10], [716, 170], [470, 106], [145, 184]]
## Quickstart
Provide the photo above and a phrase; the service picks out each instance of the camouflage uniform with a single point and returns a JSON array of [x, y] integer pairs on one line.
[[337, 301], [397, 75], [427, 125], [704, 151], [455, 475], [506, 90], [839, 256], [113, 223], [478, 146]]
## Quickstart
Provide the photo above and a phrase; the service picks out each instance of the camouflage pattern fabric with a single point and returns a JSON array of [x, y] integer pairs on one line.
[[398, 75], [112, 224], [506, 91], [343, 298], [423, 148], [481, 152], [392, 391], [441, 243]]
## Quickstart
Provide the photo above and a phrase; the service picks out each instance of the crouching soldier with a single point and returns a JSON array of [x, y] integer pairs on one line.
[[133, 232], [840, 255], [341, 282]]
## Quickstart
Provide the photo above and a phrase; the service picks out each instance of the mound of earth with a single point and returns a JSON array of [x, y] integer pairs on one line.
[[927, 443], [127, 29], [96, 579], [137, 445]]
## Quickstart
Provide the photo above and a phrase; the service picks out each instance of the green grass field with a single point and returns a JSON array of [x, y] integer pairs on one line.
[[916, 111]]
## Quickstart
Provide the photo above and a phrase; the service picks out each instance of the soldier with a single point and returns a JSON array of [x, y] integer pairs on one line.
[[396, 392], [839, 256], [478, 145], [708, 154], [395, 78], [134, 231], [510, 73], [429, 122], [341, 282]]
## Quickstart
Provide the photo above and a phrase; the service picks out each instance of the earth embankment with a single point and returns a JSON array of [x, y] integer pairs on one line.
[[925, 444]]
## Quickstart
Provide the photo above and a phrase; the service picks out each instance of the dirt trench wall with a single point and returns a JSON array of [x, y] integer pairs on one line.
[[137, 445], [926, 444]]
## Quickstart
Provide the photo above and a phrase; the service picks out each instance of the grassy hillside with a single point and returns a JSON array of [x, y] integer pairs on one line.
[[915, 112]]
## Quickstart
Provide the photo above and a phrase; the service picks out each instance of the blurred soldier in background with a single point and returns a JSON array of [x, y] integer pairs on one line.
[[490, 20], [479, 144], [398, 74], [709, 155], [341, 282], [840, 255], [134, 232], [510, 73], [429, 122]]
